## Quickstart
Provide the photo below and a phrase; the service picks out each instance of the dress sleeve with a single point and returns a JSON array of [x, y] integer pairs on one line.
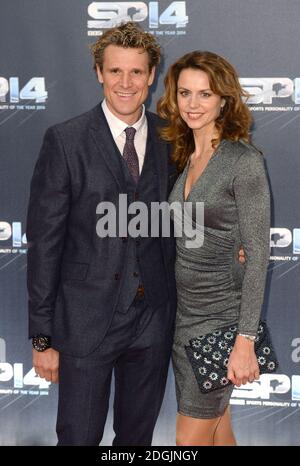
[[252, 197]]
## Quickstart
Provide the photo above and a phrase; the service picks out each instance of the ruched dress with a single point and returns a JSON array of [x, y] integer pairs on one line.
[[213, 288]]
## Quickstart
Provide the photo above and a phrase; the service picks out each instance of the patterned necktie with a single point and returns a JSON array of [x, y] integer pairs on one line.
[[130, 155]]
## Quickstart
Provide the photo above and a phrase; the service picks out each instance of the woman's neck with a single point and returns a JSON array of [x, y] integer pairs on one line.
[[203, 143]]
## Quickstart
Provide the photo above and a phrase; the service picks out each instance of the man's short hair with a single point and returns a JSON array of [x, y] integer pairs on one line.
[[127, 35]]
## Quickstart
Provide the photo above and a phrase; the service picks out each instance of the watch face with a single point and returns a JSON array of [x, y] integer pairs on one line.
[[41, 342]]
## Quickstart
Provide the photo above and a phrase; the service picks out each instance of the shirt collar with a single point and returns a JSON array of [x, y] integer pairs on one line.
[[117, 126]]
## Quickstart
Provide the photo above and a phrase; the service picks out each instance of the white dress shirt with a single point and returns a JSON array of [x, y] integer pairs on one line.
[[117, 128]]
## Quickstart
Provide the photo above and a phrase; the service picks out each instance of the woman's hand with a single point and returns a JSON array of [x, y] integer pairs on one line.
[[242, 365]]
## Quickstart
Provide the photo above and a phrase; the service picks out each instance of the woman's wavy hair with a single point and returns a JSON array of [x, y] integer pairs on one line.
[[234, 120]]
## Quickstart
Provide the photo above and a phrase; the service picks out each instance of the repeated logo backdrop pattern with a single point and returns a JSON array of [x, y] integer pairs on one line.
[[46, 76]]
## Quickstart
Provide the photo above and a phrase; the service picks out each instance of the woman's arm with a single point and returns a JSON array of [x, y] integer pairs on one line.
[[251, 191]]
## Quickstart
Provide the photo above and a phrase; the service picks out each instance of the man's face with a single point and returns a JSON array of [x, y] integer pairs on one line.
[[125, 77]]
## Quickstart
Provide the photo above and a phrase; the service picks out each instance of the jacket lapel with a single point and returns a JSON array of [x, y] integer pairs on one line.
[[106, 146], [108, 149], [160, 152]]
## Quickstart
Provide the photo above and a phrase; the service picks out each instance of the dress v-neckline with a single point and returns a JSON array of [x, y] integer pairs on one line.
[[185, 198]]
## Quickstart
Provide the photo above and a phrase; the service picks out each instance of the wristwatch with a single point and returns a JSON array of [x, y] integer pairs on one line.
[[41, 342], [248, 337]]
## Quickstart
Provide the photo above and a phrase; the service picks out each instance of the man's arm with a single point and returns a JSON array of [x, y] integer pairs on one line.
[[48, 211]]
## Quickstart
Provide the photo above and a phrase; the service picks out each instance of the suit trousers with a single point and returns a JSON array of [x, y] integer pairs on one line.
[[137, 347]]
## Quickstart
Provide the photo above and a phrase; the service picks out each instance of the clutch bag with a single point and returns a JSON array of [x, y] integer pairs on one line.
[[209, 354]]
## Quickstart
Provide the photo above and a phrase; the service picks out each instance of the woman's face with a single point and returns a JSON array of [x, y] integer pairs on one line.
[[198, 106]]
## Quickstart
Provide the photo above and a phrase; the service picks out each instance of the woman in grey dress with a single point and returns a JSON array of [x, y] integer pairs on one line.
[[208, 124]]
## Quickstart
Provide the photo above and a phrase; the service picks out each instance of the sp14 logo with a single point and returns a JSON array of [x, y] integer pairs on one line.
[[33, 90], [264, 90], [110, 14]]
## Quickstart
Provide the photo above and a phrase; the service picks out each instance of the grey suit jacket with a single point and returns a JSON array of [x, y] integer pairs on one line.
[[73, 275]]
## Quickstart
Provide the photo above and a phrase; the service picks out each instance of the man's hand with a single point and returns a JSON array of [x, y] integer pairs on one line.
[[242, 258], [46, 364]]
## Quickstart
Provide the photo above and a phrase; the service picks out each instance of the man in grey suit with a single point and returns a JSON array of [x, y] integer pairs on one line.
[[98, 304]]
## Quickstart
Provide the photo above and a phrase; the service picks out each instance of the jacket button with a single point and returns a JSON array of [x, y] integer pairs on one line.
[[135, 274], [117, 276]]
